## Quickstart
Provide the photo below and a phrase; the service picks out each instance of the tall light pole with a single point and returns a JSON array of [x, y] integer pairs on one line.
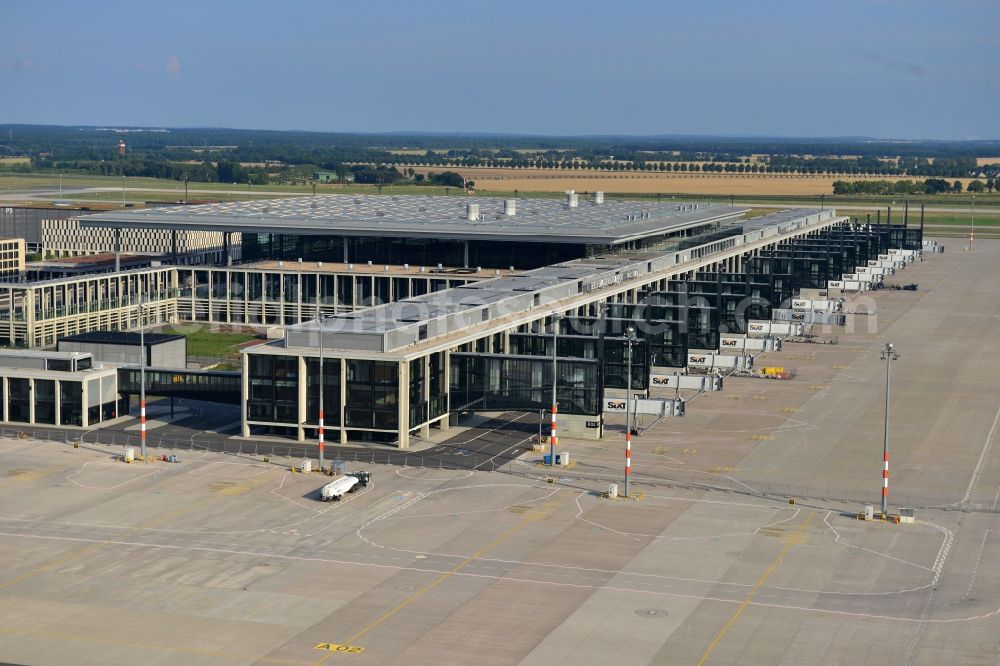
[[888, 355], [142, 378], [553, 440], [322, 381], [629, 340]]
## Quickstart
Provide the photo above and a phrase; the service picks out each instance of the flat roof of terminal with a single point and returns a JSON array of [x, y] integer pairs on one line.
[[597, 270], [441, 217]]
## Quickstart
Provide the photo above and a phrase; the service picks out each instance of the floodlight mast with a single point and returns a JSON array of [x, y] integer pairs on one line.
[[553, 439], [629, 340], [888, 355], [142, 377]]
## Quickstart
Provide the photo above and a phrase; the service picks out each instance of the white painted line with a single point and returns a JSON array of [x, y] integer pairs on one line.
[[982, 458]]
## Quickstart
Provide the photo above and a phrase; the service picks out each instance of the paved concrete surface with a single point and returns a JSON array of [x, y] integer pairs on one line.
[[223, 559]]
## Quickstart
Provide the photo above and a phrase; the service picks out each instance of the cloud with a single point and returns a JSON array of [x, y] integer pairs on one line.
[[173, 66], [23, 65], [138, 66]]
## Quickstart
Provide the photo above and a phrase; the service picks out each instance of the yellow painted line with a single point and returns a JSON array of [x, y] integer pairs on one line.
[[790, 541], [448, 574]]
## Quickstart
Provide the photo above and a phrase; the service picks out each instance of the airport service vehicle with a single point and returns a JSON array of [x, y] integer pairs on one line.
[[348, 483]]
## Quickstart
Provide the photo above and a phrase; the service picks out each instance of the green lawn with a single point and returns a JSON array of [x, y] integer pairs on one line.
[[203, 342]]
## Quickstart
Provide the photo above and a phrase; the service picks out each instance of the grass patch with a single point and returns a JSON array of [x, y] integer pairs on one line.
[[207, 343]]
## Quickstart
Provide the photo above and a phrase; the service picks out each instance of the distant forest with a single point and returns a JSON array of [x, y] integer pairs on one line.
[[262, 156]]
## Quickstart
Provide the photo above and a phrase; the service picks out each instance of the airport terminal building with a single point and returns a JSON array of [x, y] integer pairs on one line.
[[418, 308]]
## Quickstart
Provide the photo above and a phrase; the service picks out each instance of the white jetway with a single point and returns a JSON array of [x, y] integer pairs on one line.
[[646, 406], [742, 343], [765, 329], [711, 361], [692, 382]]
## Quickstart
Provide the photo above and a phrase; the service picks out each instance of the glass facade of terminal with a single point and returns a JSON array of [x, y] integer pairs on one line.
[[499, 382], [522, 255]]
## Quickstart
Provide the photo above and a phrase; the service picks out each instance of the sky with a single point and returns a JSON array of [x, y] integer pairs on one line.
[[906, 69]]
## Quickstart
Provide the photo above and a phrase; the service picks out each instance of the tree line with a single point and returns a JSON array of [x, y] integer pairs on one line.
[[927, 186]]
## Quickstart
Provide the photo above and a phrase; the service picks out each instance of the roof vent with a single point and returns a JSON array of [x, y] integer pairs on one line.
[[350, 267], [406, 266], [571, 198], [369, 262], [510, 207], [598, 198], [319, 264], [471, 211]]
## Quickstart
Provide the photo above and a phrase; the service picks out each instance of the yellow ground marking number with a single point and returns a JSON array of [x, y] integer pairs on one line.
[[791, 410], [761, 438], [343, 649], [819, 387], [689, 452], [724, 470]]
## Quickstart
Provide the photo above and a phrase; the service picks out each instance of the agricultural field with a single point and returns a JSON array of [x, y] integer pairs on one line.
[[549, 180]]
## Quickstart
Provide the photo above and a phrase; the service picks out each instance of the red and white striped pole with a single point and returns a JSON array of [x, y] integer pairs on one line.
[[628, 459], [553, 440], [321, 442], [885, 483]]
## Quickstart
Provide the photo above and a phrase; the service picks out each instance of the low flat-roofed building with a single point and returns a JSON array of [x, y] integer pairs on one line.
[[58, 388], [126, 348]]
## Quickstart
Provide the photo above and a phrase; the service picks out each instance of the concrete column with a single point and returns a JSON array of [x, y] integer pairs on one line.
[[6, 402], [31, 400], [346, 260], [403, 403], [465, 253], [303, 396], [58, 401], [245, 394], [228, 257], [84, 397], [173, 245], [29, 317]]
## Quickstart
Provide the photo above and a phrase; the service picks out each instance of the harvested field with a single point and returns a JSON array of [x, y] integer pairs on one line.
[[554, 180]]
